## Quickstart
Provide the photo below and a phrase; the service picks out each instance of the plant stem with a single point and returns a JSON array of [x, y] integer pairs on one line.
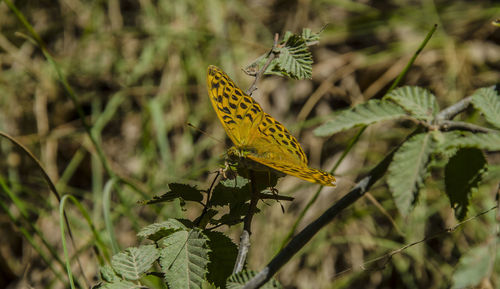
[[261, 72], [247, 224]]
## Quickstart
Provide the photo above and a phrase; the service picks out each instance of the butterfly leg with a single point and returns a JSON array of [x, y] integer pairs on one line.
[[274, 191]]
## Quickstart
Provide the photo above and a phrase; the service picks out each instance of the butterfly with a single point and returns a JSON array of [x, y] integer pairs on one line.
[[255, 134]]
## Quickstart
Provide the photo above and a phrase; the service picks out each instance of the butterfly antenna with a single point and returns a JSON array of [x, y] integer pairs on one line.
[[203, 132]]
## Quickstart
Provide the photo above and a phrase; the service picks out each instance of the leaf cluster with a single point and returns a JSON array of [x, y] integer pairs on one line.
[[294, 59], [187, 254], [183, 256], [438, 142]]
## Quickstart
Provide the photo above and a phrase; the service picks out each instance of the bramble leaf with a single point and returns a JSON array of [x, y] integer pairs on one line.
[[134, 261], [295, 58], [363, 114], [487, 101], [417, 101], [462, 176], [182, 191], [236, 281], [157, 231], [222, 257], [473, 266], [465, 139], [408, 169], [184, 259], [121, 284]]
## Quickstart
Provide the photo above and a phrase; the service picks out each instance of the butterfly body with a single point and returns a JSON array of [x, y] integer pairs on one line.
[[256, 135]]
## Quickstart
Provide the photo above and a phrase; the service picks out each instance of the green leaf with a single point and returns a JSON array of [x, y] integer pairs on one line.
[[182, 191], [231, 192], [408, 169], [134, 261], [157, 231], [184, 259], [366, 113], [237, 281], [418, 102], [107, 274], [295, 58], [310, 37], [122, 284], [238, 182], [462, 175], [473, 266], [465, 139], [222, 257], [207, 285], [235, 215], [487, 101]]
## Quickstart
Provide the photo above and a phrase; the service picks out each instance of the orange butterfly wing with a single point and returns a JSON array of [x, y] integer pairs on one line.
[[264, 139]]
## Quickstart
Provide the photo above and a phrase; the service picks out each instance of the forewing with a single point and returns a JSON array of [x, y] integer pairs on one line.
[[304, 172], [238, 112]]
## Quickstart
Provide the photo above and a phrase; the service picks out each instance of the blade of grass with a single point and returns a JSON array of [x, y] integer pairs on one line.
[[49, 182], [62, 223], [107, 215], [32, 242]]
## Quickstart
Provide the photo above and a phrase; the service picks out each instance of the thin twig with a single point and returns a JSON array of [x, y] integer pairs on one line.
[[389, 255], [245, 235], [242, 252], [446, 125], [207, 204], [247, 227], [259, 74], [451, 111]]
